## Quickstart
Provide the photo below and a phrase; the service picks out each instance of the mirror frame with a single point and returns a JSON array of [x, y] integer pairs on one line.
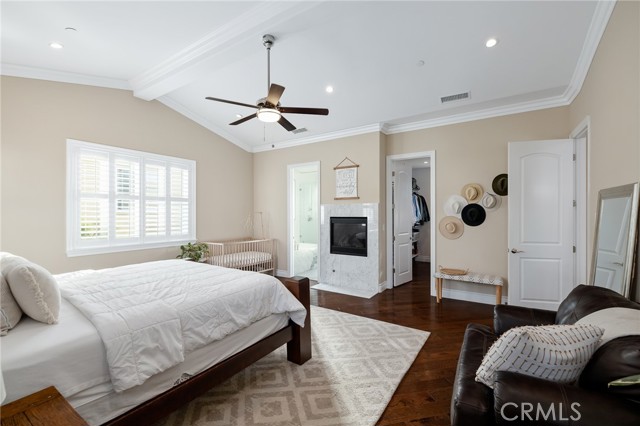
[[630, 190]]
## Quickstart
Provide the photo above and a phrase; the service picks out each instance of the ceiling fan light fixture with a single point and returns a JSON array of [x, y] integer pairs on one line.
[[268, 115]]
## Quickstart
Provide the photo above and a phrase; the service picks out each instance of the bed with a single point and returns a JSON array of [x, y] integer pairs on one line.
[[257, 255], [75, 355]]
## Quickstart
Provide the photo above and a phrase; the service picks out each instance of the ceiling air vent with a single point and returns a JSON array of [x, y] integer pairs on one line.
[[457, 97], [300, 130]]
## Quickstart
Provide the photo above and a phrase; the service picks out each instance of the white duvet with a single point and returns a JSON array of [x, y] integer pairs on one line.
[[150, 315]]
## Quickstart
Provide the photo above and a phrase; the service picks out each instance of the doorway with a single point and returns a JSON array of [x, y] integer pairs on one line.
[[415, 175], [304, 223]]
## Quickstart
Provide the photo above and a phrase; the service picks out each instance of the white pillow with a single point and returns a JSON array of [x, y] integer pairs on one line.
[[552, 352], [34, 288], [10, 312], [616, 322]]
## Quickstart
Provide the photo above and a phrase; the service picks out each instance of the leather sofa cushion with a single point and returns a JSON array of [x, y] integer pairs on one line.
[[583, 300], [615, 359], [472, 402]]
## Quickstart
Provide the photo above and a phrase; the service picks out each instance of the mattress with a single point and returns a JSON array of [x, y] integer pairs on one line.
[[237, 260], [70, 355]]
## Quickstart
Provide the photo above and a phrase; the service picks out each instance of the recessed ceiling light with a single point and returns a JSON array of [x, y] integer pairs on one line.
[[420, 63], [491, 42], [329, 89], [238, 115], [55, 45]]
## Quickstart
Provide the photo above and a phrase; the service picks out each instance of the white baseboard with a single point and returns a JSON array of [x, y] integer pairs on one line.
[[423, 258], [382, 286], [283, 273], [468, 296], [348, 291]]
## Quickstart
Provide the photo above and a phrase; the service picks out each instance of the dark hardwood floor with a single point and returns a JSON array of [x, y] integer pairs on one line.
[[424, 395]]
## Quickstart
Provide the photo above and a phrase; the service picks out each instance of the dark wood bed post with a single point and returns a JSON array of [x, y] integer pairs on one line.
[[298, 342], [299, 348]]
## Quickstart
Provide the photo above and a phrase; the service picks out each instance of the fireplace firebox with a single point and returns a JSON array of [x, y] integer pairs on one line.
[[349, 236]]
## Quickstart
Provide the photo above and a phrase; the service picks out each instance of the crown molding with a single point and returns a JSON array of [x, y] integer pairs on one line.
[[181, 68], [178, 107], [598, 25], [371, 128], [62, 76], [517, 108]]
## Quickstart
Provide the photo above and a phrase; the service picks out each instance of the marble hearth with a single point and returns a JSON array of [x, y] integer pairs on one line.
[[354, 275]]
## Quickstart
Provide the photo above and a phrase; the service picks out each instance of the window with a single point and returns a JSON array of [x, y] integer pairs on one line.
[[119, 199]]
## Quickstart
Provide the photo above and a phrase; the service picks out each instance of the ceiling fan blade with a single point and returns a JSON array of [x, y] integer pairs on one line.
[[230, 102], [275, 92], [298, 110], [286, 124], [243, 119]]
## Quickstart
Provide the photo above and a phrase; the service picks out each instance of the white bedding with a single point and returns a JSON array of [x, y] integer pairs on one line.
[[150, 315], [68, 354]]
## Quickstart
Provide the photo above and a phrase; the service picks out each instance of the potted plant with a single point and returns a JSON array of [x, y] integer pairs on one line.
[[197, 252]]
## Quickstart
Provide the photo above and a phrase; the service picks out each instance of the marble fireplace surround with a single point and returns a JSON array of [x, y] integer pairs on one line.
[[353, 275]]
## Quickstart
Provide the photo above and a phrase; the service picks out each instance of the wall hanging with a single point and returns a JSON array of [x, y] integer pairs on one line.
[[346, 180]]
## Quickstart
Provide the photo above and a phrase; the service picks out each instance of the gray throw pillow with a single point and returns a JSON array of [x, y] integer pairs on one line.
[[35, 290], [10, 312]]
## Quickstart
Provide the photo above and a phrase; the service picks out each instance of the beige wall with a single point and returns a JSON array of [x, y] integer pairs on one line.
[[475, 152], [610, 96], [37, 118], [270, 178]]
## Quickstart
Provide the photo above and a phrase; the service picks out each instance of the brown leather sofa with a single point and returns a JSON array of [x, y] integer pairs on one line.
[[520, 399]]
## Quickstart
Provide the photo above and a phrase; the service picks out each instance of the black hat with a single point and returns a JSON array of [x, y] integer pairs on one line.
[[500, 184], [473, 214]]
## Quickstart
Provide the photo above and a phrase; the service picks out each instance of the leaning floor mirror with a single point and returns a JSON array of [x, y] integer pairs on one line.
[[615, 238]]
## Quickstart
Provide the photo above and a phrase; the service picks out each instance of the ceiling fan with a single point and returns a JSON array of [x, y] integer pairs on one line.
[[269, 108]]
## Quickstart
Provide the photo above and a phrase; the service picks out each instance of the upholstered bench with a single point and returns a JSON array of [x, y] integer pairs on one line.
[[470, 277]]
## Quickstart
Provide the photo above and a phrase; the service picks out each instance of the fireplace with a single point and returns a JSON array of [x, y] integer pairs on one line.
[[349, 236]]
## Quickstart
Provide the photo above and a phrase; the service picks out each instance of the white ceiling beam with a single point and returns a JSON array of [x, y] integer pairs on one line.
[[185, 66]]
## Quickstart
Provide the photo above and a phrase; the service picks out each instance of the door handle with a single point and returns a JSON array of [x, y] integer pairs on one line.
[[514, 251]]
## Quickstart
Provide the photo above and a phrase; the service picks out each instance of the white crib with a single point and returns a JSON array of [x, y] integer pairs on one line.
[[245, 254]]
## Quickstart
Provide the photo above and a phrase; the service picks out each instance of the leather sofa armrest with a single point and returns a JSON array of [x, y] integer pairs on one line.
[[506, 317], [520, 399]]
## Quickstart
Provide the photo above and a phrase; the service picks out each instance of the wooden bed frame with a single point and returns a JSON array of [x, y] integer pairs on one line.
[[298, 342]]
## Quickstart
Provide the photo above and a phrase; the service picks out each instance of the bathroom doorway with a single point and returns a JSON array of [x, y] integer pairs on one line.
[[304, 223]]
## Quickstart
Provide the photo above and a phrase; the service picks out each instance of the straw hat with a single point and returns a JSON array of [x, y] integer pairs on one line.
[[473, 215], [451, 227], [500, 184], [491, 201], [472, 192], [454, 205]]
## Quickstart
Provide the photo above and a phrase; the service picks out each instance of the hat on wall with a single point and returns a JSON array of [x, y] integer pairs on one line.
[[472, 192], [491, 201], [451, 227], [454, 205], [473, 214], [500, 184]]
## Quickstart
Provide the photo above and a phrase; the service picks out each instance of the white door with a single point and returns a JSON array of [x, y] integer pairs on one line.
[[402, 224], [612, 242], [541, 223]]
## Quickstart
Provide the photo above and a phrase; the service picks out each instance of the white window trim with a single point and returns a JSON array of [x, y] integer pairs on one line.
[[112, 246]]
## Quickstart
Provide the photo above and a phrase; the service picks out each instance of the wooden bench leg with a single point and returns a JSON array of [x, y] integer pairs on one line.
[[498, 294], [438, 290]]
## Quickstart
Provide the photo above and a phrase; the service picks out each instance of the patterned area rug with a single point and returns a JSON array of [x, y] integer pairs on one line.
[[356, 367]]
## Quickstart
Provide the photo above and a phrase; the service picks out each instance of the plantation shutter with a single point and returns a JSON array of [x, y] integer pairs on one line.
[[120, 199]]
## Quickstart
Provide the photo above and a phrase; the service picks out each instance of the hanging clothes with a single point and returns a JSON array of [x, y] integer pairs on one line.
[[420, 209]]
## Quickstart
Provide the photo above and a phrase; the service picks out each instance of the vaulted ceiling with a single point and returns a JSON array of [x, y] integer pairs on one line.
[[389, 62]]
